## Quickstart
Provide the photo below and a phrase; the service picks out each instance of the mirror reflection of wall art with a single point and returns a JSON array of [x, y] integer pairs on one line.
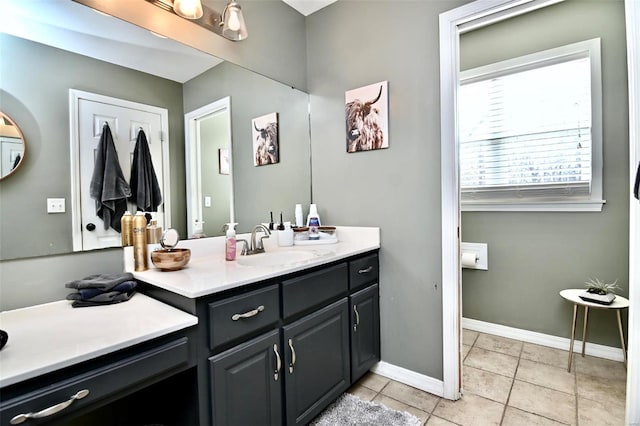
[[224, 165], [367, 117], [266, 148]]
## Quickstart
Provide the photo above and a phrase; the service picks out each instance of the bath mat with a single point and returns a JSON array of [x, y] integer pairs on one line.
[[349, 410]]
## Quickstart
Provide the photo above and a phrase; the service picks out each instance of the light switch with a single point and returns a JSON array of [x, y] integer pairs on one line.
[[207, 201], [55, 205]]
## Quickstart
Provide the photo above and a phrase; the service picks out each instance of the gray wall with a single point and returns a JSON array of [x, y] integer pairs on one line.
[[352, 44], [275, 187], [214, 135], [532, 256]]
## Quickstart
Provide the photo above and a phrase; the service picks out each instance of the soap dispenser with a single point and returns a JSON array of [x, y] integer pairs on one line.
[[230, 242]]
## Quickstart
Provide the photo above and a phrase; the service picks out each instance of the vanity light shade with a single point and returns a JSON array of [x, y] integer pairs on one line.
[[233, 25], [189, 9]]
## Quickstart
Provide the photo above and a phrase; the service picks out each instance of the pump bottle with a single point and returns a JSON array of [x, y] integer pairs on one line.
[[230, 242]]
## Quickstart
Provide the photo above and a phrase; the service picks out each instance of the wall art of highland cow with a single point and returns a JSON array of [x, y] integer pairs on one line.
[[266, 148], [367, 117]]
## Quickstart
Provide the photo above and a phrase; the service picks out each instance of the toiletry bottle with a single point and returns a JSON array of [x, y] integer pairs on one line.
[[140, 242], [313, 212], [126, 229], [285, 236], [298, 214], [314, 233], [230, 242]]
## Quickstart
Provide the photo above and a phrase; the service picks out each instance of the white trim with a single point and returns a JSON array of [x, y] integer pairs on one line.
[[192, 152], [575, 206], [76, 210], [632, 14], [592, 349], [409, 377]]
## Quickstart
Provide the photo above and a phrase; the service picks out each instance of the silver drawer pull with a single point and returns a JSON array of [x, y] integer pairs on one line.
[[293, 357], [355, 326], [20, 418], [278, 363], [365, 270], [249, 314]]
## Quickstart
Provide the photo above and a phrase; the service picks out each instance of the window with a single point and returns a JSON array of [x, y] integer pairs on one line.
[[530, 132]]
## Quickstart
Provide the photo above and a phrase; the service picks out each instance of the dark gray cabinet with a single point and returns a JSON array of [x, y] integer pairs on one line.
[[280, 351], [365, 330], [246, 382], [316, 361]]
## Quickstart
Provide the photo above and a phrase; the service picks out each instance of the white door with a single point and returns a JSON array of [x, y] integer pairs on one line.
[[124, 122]]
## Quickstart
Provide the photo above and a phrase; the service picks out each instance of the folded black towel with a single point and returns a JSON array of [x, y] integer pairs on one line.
[[90, 293], [107, 299], [104, 282], [108, 185], [145, 191]]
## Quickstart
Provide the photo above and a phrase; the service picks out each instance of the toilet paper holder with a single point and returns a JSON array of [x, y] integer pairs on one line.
[[479, 250]]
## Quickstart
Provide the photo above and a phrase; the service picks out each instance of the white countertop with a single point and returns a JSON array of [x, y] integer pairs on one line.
[[208, 272], [45, 338]]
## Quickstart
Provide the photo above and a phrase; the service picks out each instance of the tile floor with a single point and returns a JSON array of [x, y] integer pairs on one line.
[[513, 383]]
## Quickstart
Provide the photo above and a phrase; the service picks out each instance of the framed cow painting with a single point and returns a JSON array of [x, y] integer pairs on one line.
[[266, 149], [367, 117]]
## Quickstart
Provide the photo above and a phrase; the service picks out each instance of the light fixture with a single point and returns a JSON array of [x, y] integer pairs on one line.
[[189, 9], [230, 24], [233, 26]]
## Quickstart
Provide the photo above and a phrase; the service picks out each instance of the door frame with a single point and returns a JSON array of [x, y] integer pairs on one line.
[[74, 135], [192, 152], [490, 11]]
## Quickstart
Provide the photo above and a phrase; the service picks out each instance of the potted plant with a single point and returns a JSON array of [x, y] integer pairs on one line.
[[599, 291]]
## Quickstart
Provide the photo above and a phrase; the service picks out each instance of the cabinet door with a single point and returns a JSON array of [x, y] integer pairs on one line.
[[365, 330], [246, 383], [316, 365]]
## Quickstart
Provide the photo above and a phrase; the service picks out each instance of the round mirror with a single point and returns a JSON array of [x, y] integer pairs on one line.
[[13, 145], [169, 239]]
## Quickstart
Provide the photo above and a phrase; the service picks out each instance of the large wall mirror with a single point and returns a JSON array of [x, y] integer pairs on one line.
[[35, 91]]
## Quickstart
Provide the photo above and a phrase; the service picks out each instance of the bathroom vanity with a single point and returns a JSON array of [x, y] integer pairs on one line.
[[65, 365], [280, 335]]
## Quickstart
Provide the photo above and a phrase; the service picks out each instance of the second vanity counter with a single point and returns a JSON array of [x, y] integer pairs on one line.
[[209, 273]]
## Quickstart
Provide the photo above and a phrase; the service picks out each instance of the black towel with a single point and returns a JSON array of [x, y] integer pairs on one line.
[[108, 186], [104, 282], [90, 293], [145, 191]]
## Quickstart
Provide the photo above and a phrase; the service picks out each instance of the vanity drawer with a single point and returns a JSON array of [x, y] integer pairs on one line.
[[241, 315], [94, 386], [363, 271], [302, 293]]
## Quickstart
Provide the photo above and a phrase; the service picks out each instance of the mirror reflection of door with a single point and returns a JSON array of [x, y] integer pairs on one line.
[[125, 121], [209, 177], [12, 146]]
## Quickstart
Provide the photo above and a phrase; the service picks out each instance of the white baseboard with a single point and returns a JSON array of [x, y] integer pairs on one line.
[[592, 349], [408, 377]]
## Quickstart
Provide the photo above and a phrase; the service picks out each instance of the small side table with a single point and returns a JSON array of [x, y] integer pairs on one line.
[[573, 295]]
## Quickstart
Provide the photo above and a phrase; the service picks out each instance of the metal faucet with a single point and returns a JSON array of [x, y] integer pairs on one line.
[[256, 245]]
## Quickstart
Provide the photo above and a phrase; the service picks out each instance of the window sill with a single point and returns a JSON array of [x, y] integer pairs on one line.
[[559, 206]]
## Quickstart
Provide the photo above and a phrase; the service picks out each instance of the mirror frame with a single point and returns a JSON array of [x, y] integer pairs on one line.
[[5, 116]]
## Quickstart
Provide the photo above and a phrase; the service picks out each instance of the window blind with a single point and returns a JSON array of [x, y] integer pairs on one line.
[[526, 133]]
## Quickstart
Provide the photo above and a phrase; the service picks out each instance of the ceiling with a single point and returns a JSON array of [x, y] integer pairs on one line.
[[307, 7], [71, 26]]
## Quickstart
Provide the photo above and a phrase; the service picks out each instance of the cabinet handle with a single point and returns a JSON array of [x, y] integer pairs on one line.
[[278, 362], [355, 326], [365, 270], [293, 357], [20, 418], [253, 313]]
